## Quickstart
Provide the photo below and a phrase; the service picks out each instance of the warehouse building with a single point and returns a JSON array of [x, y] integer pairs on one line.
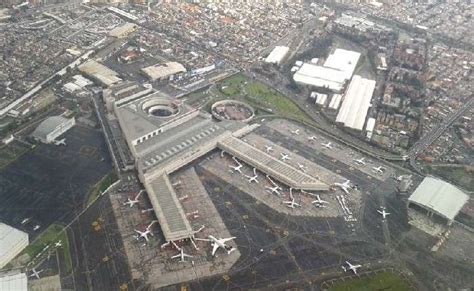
[[438, 199], [100, 73], [277, 55], [52, 127], [356, 103], [13, 281], [163, 71], [12, 242], [344, 61]]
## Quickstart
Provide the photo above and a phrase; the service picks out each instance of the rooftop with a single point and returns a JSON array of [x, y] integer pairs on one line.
[[160, 71], [13, 282], [12, 242], [47, 126]]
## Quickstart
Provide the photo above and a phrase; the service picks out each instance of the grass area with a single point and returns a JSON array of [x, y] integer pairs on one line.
[[380, 281], [101, 186], [49, 236], [260, 96], [460, 176], [11, 152]]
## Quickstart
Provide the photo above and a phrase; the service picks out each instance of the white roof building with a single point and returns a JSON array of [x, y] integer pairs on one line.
[[343, 60], [13, 282], [335, 101], [101, 73], [162, 71], [369, 128], [439, 197], [356, 103], [319, 76], [277, 55], [12, 242]]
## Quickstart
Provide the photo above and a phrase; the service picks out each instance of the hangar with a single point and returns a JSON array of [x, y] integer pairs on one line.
[[277, 55], [12, 242], [438, 198], [13, 281], [52, 127]]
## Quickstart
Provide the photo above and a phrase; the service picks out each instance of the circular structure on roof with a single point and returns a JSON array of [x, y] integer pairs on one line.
[[232, 110], [160, 107]]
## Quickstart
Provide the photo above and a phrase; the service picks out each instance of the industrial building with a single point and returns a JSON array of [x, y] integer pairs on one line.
[[163, 71], [277, 55], [123, 31], [52, 127], [13, 281], [336, 71], [100, 73], [438, 199], [356, 103], [12, 242]]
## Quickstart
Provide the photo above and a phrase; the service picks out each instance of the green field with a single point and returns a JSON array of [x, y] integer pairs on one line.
[[49, 236], [11, 152], [380, 281], [457, 175], [101, 186], [260, 96]]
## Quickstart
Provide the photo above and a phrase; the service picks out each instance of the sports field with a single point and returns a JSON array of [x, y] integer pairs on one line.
[[379, 281]]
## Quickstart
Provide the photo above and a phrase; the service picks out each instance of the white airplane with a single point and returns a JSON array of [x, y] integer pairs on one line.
[[312, 138], [285, 157], [60, 142], [132, 202], [254, 177], [35, 273], [351, 267], [182, 256], [58, 244], [328, 145], [219, 243], [291, 203], [383, 213], [379, 169], [295, 132], [268, 149], [25, 220], [145, 233], [237, 168], [36, 227], [302, 167], [319, 202], [360, 161], [275, 190], [344, 186]]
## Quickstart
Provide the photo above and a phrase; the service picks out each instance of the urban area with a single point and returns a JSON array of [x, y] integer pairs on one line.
[[236, 145]]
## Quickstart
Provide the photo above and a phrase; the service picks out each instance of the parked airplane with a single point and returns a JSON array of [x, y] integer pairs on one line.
[[379, 169], [254, 177], [291, 203], [237, 168], [383, 213], [25, 220], [132, 202], [319, 202], [295, 132], [217, 243], [268, 149], [312, 138], [351, 267], [328, 145], [360, 161], [36, 227], [274, 189], [344, 186], [58, 244], [60, 142], [147, 232], [285, 157], [182, 256], [302, 167], [35, 273]]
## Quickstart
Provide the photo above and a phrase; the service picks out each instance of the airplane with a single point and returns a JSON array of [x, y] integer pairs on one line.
[[285, 157], [237, 168], [182, 256], [291, 203], [379, 169], [383, 213], [132, 202], [58, 244], [35, 273], [60, 142], [219, 243], [254, 177], [319, 202], [312, 138], [328, 145], [145, 233], [25, 220], [344, 186], [36, 227], [360, 161], [268, 149], [351, 267], [302, 167], [274, 189], [295, 132]]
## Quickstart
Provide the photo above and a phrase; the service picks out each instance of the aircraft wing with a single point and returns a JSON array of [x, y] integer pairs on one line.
[[224, 240], [214, 248], [177, 256]]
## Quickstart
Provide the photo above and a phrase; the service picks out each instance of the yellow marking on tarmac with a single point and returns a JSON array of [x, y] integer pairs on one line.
[[228, 203], [105, 259], [245, 216], [226, 277], [97, 228], [217, 189], [184, 287], [124, 287]]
